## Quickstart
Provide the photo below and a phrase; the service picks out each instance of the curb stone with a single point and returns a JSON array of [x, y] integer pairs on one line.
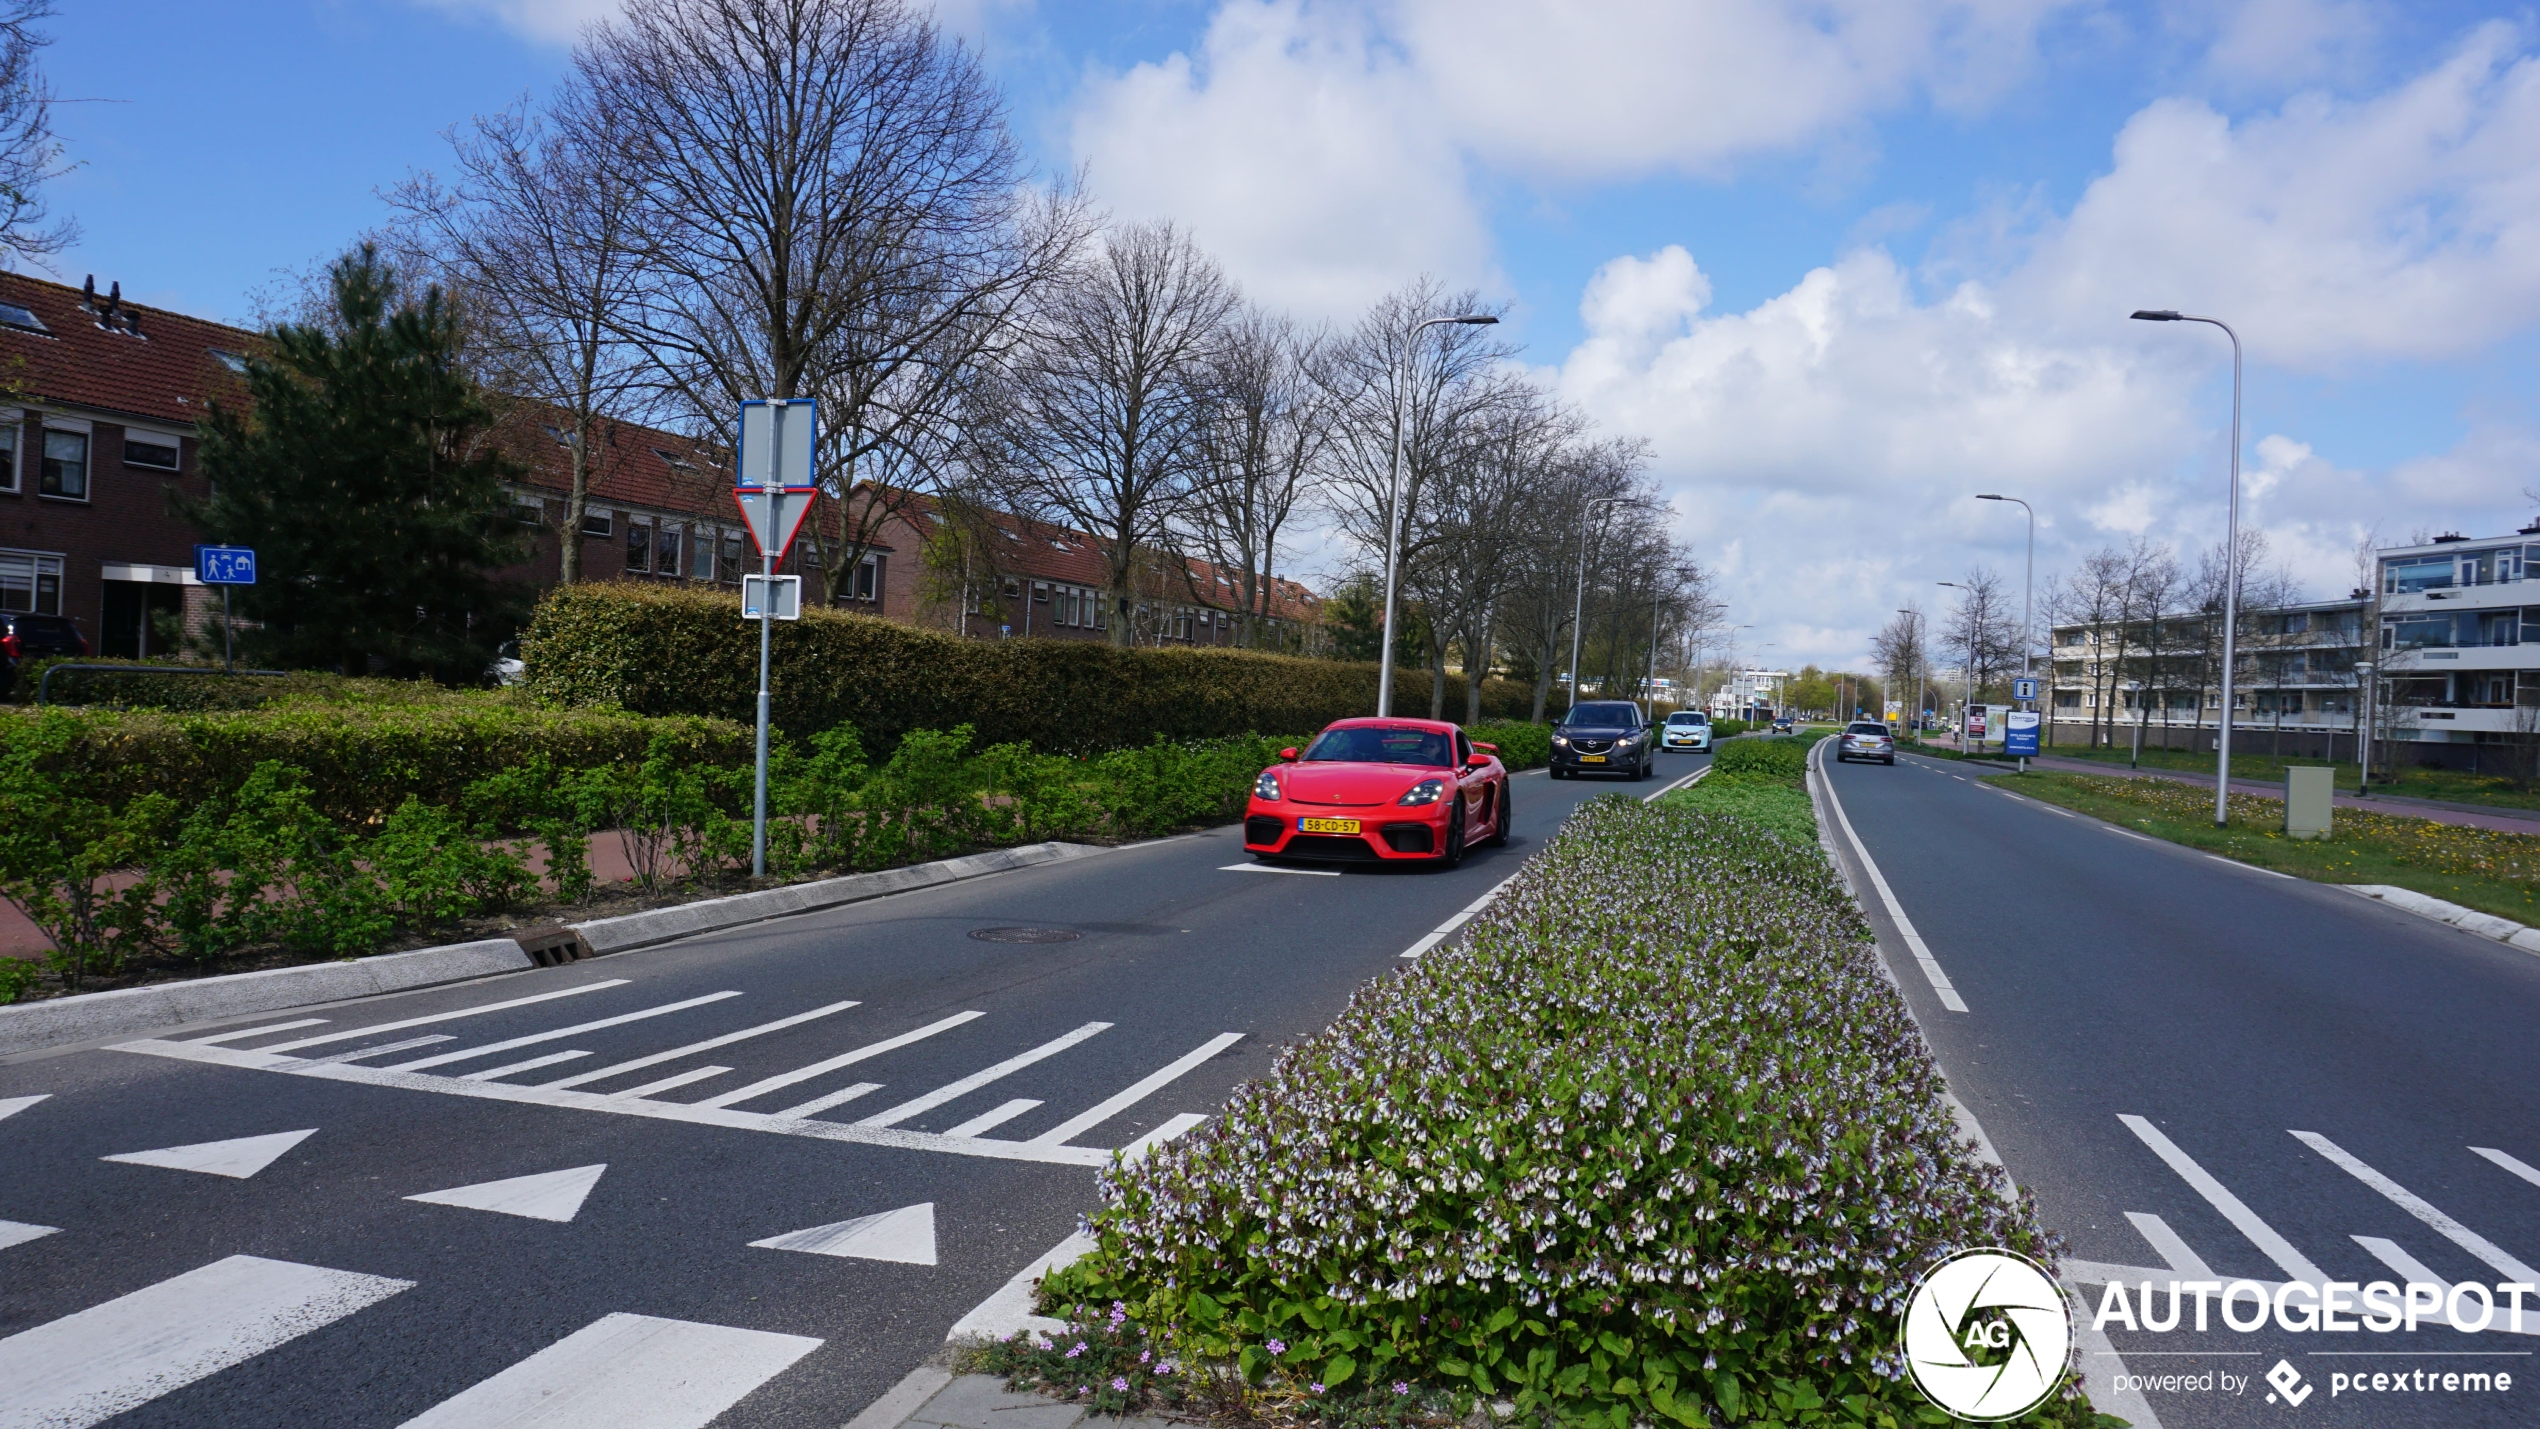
[[81, 1017], [2468, 920]]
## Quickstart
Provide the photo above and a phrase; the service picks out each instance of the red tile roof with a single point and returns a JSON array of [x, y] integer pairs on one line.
[[153, 363]]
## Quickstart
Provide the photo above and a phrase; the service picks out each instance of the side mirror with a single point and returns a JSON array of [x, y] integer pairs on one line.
[[1288, 755], [1478, 761]]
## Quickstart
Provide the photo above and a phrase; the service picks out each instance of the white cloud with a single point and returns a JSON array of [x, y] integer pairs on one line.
[[2276, 44], [548, 21]]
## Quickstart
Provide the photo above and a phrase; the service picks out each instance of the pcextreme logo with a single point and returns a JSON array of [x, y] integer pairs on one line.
[[1987, 1335]]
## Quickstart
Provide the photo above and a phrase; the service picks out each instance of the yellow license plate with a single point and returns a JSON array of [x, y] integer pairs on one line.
[[1591, 759], [1327, 826]]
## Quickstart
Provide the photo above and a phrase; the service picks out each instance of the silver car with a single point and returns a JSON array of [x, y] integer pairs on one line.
[[1867, 739], [1686, 729]]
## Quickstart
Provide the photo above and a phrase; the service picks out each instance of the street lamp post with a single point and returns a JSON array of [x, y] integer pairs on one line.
[[1578, 598], [2231, 558], [1393, 497], [2363, 729], [1969, 708], [2028, 590]]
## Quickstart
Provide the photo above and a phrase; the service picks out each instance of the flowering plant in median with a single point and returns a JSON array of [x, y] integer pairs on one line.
[[1658, 1138]]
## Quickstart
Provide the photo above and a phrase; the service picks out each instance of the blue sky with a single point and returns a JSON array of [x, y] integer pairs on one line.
[[1842, 263]]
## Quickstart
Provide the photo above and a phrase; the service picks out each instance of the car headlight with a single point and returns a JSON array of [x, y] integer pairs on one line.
[[1267, 786], [1427, 791], [1561, 741]]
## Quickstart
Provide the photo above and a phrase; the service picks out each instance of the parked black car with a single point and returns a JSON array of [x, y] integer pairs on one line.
[[1603, 737], [32, 637]]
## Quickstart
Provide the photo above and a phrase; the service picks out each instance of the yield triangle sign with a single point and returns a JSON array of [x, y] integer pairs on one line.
[[546, 1196], [906, 1235], [237, 1159], [773, 516]]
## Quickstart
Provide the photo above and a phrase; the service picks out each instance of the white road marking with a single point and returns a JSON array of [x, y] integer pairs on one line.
[[843, 1059], [1010, 1309], [545, 1196], [1467, 913], [11, 1106], [821, 1104], [673, 1081], [1940, 983], [1427, 941], [1267, 868], [624, 1372], [534, 1038], [385, 1049], [85, 1368], [2389, 1253], [2171, 1246], [917, 1106], [708, 1045], [1173, 1126], [19, 1233], [440, 1016], [2260, 1234], [987, 1121], [1135, 1092], [237, 1159], [256, 1031], [2406, 1200], [1694, 778], [2528, 1173], [533, 1064], [906, 1236]]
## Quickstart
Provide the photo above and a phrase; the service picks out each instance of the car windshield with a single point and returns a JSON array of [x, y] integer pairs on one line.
[[1379, 744], [1867, 728], [1682, 718], [1604, 716]]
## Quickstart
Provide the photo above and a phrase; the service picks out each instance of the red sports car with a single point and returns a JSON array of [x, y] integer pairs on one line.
[[1374, 790]]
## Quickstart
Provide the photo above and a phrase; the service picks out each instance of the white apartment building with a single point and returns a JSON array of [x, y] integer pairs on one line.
[[2295, 676], [1749, 695], [2460, 647]]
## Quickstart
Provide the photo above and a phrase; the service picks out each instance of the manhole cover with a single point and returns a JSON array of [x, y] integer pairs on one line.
[[1025, 935]]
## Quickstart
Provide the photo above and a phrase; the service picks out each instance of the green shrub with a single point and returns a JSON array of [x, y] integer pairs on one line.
[[660, 649], [144, 689], [1768, 800], [1785, 758], [1659, 1139], [1729, 728], [1522, 744]]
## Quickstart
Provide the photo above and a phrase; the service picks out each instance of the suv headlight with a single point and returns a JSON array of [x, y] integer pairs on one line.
[[1561, 741], [1427, 791], [1267, 786]]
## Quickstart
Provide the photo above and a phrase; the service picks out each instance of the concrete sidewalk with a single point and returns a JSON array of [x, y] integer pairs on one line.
[[2511, 821]]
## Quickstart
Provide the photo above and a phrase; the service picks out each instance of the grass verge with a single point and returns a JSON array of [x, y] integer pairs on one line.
[[1761, 781], [1658, 1144], [2450, 785], [2485, 869]]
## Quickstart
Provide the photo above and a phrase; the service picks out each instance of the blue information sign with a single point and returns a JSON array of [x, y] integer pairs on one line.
[[2019, 733], [225, 565], [2024, 689]]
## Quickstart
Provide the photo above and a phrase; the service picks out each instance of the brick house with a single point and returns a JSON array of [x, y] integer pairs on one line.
[[993, 575]]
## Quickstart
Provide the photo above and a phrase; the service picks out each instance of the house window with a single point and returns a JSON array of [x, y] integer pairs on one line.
[[730, 571], [230, 360], [1040, 592], [9, 454], [666, 551], [153, 451], [528, 510], [30, 582], [868, 579], [601, 524], [65, 471], [639, 547], [21, 318]]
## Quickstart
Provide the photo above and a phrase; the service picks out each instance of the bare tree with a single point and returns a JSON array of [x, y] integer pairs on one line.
[[831, 206], [1558, 537], [1098, 416], [1262, 438], [1903, 661], [1983, 633], [30, 153], [535, 239]]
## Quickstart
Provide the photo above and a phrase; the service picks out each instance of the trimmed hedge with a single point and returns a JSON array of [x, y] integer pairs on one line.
[[145, 690], [359, 761], [663, 649], [1782, 756], [1660, 1140]]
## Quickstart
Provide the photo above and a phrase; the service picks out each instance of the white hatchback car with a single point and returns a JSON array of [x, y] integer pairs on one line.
[[1686, 729]]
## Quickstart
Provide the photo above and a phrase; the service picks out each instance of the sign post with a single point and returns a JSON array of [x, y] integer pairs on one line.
[[772, 484], [225, 566]]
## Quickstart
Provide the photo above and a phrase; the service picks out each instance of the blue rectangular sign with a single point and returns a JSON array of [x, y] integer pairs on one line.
[[2024, 689], [2019, 733], [225, 565]]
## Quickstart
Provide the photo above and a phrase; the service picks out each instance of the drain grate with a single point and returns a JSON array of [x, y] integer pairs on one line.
[[1025, 935]]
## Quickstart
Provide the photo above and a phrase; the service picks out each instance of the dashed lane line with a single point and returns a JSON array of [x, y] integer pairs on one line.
[[1267, 868]]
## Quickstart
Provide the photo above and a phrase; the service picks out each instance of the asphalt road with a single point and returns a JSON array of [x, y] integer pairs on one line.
[[2109, 976], [298, 1281]]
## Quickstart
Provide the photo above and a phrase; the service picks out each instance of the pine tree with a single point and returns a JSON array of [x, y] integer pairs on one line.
[[360, 470]]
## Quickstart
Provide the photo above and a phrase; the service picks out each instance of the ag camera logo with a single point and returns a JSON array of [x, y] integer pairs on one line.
[[1987, 1335]]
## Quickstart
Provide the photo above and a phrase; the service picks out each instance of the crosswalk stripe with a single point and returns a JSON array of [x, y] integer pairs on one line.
[[918, 1106], [2389, 1253], [1139, 1091], [533, 1064], [624, 1372], [843, 1059], [375, 1027], [2510, 1163], [1173, 1126], [245, 1033], [2172, 1246], [534, 1038], [11, 1106], [2408, 1201], [357, 1055], [988, 1121], [821, 1104], [708, 1045], [675, 1080], [2260, 1234], [88, 1367], [19, 1233]]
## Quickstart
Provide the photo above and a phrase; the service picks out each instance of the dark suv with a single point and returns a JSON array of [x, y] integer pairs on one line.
[[32, 637], [1603, 737]]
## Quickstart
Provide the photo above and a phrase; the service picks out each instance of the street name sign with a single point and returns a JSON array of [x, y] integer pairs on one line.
[[225, 565]]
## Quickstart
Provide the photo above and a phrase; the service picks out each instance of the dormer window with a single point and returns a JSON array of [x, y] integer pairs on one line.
[[674, 460], [21, 318], [231, 360]]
